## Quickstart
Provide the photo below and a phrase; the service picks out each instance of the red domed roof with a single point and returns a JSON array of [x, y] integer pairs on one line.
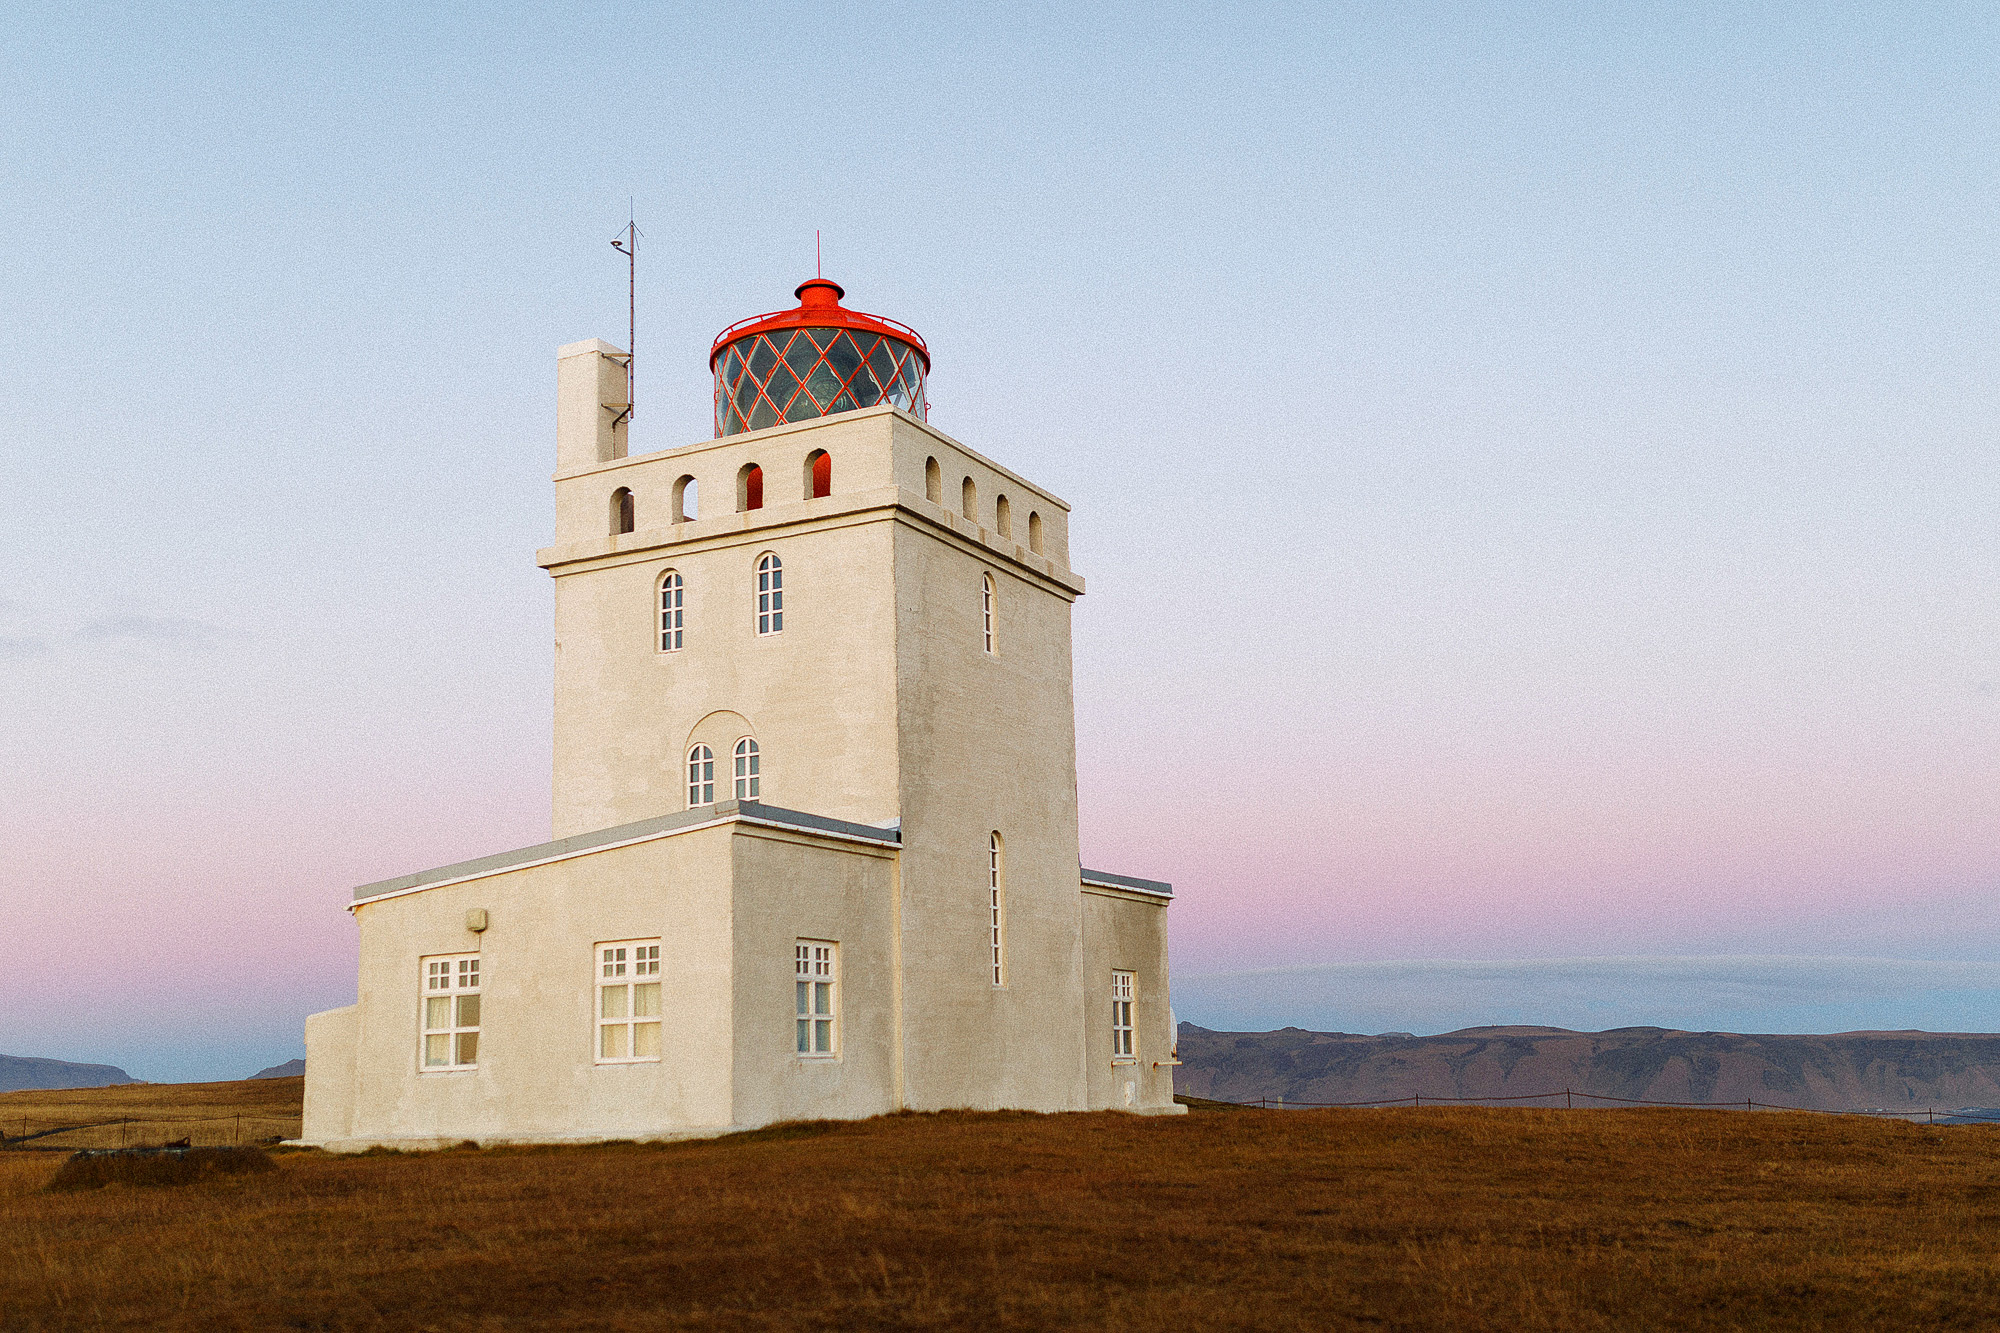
[[819, 308]]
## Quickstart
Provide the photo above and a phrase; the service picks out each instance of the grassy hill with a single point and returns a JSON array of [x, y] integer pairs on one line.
[[1460, 1219], [143, 1114]]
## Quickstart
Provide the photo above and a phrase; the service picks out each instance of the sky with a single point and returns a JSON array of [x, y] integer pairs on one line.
[[1533, 464]]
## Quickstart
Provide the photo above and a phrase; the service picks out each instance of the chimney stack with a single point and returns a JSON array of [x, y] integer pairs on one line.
[[591, 407]]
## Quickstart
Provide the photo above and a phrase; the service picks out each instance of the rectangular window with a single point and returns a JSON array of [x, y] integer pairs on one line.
[[451, 1012], [815, 1010], [673, 612], [996, 904], [986, 608], [1121, 1016], [628, 1001], [770, 596]]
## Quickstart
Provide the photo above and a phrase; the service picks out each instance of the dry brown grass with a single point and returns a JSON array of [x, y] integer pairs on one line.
[[1462, 1219], [142, 1115]]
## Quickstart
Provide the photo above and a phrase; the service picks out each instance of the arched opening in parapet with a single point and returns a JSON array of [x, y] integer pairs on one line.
[[819, 474], [1034, 532], [933, 481], [968, 500], [1003, 517], [623, 515], [687, 500], [749, 488]]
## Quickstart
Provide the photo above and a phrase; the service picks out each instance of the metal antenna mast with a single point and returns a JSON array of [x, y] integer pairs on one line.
[[627, 244]]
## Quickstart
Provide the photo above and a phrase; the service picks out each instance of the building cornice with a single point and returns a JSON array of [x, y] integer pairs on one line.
[[753, 814]]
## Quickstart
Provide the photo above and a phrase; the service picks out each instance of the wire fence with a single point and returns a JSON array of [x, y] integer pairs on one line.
[[1570, 1097], [147, 1132]]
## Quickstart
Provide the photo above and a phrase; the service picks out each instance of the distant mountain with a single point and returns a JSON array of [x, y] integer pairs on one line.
[[19, 1073], [289, 1069], [1846, 1071]]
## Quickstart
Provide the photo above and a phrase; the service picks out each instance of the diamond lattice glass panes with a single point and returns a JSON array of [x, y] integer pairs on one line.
[[798, 374], [628, 1001], [451, 1012]]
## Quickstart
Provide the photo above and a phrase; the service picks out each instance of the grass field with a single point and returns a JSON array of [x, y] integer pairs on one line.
[[1459, 1218], [147, 1114]]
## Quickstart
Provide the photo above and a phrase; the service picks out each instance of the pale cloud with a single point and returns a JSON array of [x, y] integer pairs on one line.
[[16, 646], [1722, 994], [150, 629]]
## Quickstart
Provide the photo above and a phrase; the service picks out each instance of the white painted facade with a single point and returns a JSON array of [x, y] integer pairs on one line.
[[914, 729]]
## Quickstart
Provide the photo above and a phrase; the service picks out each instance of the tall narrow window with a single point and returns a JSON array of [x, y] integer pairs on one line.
[[1003, 517], [672, 612], [451, 1012], [622, 512], [933, 481], [749, 488], [748, 782], [770, 595], [813, 998], [986, 609], [819, 474], [701, 776], [996, 904], [1121, 1016], [968, 500], [628, 1001]]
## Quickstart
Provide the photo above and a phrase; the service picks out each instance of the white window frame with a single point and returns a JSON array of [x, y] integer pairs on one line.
[[996, 904], [816, 999], [770, 594], [673, 611], [986, 610], [627, 1027], [748, 770], [446, 1041], [701, 776], [1124, 1050]]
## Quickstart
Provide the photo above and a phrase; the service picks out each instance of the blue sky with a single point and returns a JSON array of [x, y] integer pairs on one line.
[[1534, 464]]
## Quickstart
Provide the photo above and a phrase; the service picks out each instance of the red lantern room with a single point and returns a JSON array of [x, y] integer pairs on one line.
[[822, 358]]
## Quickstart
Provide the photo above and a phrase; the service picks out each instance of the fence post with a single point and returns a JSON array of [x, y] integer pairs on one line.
[[1566, 1102], [1420, 1099]]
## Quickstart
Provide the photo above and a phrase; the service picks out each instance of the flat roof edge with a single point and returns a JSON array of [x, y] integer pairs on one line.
[[1105, 879], [578, 844]]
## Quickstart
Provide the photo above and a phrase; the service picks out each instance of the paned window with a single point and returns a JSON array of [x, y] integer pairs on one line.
[[701, 776], [749, 784], [770, 595], [813, 998], [996, 902], [673, 611], [628, 1001], [451, 1012], [1121, 1016], [986, 608]]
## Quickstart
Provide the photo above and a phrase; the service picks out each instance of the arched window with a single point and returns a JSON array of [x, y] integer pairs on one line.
[[986, 609], [968, 500], [701, 776], [621, 511], [933, 481], [996, 907], [672, 612], [687, 500], [1003, 516], [1034, 532], [749, 488], [770, 595], [819, 474], [748, 782]]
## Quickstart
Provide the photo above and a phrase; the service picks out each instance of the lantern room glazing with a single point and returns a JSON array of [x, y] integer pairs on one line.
[[814, 361]]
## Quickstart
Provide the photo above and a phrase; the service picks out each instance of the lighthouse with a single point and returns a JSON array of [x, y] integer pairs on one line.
[[815, 841]]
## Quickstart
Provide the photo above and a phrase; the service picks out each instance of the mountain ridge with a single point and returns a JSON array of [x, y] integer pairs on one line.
[[1871, 1069], [27, 1073]]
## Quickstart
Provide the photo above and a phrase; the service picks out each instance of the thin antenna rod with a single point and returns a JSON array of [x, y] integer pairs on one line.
[[628, 245], [818, 272]]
